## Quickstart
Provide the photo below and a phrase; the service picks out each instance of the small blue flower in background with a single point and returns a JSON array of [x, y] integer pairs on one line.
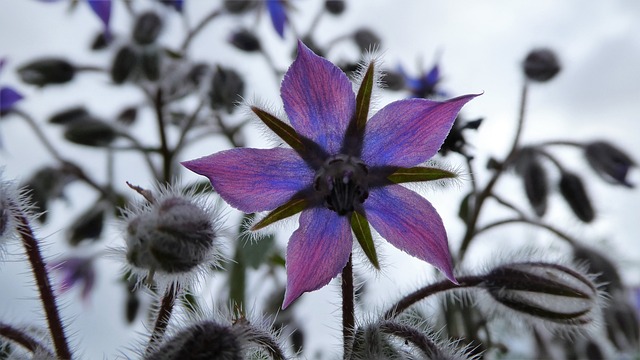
[[424, 86], [178, 5], [75, 270], [102, 8], [8, 96]]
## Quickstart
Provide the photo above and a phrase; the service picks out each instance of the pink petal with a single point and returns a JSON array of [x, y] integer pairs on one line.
[[410, 223], [318, 99], [409, 132], [254, 180], [317, 252]]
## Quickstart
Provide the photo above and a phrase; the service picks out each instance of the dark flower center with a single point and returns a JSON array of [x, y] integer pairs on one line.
[[342, 183]]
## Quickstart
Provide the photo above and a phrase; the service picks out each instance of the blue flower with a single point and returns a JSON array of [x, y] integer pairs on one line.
[[75, 270], [342, 173]]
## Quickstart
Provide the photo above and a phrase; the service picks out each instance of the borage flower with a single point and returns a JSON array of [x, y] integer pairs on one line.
[[342, 172], [8, 96], [75, 270]]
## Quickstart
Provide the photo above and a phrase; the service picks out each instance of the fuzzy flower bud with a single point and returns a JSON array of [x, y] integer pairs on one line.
[[205, 340], [173, 236], [534, 178], [547, 291], [541, 65], [366, 39], [335, 7]]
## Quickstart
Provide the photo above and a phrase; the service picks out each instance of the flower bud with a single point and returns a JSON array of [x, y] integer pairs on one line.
[[573, 191], [90, 132], [534, 178], [611, 163], [173, 235], [366, 39], [197, 74], [335, 7], [622, 325], [245, 40], [47, 71], [78, 113], [147, 28], [227, 88], [541, 65], [123, 64], [239, 6], [545, 291], [205, 340], [88, 226], [101, 41], [128, 116]]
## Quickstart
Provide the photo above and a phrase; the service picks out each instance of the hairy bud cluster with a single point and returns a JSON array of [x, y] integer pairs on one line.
[[172, 236], [546, 291]]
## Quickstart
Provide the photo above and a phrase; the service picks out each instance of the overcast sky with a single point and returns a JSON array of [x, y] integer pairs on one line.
[[480, 45]]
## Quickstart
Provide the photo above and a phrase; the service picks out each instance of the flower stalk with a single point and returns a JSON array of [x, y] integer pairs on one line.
[[44, 285], [348, 309]]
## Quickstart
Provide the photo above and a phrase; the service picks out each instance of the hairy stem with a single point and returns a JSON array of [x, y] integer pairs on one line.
[[201, 25], [348, 309], [162, 319], [420, 294], [44, 286], [20, 337], [535, 223]]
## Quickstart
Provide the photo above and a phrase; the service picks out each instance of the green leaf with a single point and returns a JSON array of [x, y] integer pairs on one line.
[[420, 173], [290, 208], [282, 129], [361, 229], [363, 99]]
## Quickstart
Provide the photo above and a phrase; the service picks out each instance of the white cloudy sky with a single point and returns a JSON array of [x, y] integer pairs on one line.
[[480, 44]]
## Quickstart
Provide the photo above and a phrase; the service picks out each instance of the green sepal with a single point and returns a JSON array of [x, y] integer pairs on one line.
[[361, 229], [289, 208], [282, 129], [363, 99], [419, 173]]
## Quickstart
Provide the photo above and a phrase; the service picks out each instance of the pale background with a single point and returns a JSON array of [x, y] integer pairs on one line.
[[480, 44]]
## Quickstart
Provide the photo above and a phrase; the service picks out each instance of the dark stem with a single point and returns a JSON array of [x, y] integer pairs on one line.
[[19, 337], [162, 319], [414, 297], [44, 286], [487, 191], [201, 25], [164, 146], [348, 309], [522, 220]]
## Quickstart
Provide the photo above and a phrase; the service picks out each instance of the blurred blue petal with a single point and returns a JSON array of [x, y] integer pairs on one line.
[[8, 98], [278, 15]]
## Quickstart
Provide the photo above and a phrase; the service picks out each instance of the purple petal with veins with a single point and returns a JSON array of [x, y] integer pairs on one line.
[[317, 252], [254, 180]]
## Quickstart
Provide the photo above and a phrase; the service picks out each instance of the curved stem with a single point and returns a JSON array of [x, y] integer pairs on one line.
[[20, 337], [420, 294], [68, 165], [201, 25], [348, 309], [507, 204], [487, 191], [550, 228], [44, 286], [190, 122], [561, 143]]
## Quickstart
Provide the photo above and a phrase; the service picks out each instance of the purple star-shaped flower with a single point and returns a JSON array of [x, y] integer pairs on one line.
[[342, 172], [424, 86], [278, 15]]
